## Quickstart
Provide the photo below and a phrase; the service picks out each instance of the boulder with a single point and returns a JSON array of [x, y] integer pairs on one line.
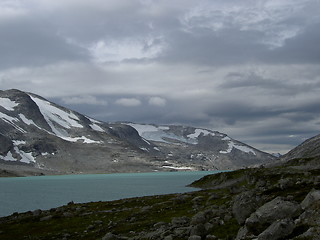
[[312, 197], [311, 233], [278, 230], [211, 237], [179, 221], [110, 236], [276, 209], [201, 217], [194, 237], [198, 230]]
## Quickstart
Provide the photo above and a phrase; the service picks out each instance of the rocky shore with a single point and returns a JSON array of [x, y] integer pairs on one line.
[[279, 202]]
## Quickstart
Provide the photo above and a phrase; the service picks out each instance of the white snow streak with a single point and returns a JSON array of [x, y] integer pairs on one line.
[[11, 120], [96, 127], [18, 142], [197, 133], [232, 145], [53, 114], [178, 168], [8, 104], [25, 157]]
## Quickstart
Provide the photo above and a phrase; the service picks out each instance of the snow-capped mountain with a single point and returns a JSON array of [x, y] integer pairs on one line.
[[37, 135], [196, 147]]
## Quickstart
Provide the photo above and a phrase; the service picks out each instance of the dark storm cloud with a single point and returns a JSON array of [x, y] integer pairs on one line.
[[247, 68], [301, 49], [253, 81], [30, 42], [229, 46]]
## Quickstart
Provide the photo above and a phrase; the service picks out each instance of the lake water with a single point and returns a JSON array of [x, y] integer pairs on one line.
[[45, 192]]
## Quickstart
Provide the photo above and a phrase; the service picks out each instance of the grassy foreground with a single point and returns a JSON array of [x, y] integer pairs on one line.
[[207, 213]]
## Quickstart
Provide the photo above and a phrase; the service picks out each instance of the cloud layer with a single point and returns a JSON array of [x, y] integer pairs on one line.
[[247, 68]]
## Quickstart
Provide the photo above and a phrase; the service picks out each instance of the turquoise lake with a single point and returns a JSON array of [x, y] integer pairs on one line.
[[45, 192]]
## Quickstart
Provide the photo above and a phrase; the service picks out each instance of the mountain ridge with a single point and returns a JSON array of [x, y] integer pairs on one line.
[[35, 131]]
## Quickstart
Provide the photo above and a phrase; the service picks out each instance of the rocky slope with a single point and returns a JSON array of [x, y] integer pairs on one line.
[[279, 202], [39, 137], [309, 148]]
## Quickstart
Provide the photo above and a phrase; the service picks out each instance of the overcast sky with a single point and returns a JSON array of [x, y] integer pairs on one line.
[[249, 68]]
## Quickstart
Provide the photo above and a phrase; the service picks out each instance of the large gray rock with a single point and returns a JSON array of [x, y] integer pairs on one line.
[[194, 237], [110, 236], [244, 205], [278, 230], [276, 209], [311, 233], [244, 234], [198, 230], [201, 217], [312, 197], [180, 221]]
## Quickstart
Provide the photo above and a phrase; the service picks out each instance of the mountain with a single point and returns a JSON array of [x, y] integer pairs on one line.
[[40, 137], [309, 148]]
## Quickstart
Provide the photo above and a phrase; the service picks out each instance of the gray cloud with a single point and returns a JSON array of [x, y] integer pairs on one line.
[[29, 42], [247, 68]]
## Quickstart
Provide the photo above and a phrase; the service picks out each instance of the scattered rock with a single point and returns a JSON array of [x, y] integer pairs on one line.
[[36, 213], [194, 237], [201, 217], [312, 197], [211, 237], [270, 212], [180, 221], [169, 237], [90, 227], [46, 218], [244, 205], [110, 236], [199, 230], [278, 230], [67, 214], [284, 183]]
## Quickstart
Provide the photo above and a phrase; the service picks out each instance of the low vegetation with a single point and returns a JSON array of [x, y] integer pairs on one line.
[[225, 208]]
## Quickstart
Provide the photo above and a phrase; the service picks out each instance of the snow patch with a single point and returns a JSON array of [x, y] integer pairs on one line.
[[178, 168], [18, 142], [9, 157], [26, 157], [53, 114], [11, 120], [146, 141], [197, 133], [96, 127], [232, 145], [163, 128], [26, 120], [8, 104], [158, 134], [76, 139]]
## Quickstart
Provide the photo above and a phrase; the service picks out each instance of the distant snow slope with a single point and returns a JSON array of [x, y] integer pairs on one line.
[[163, 134], [56, 117], [8, 104]]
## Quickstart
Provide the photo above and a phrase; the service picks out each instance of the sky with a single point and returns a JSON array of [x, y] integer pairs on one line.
[[250, 68]]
